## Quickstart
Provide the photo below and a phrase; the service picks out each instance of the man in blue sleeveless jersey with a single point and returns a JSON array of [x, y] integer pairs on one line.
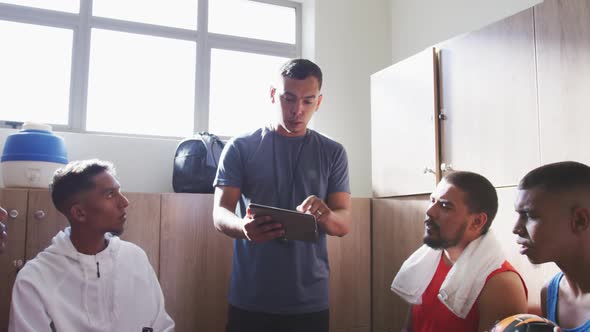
[[553, 204]]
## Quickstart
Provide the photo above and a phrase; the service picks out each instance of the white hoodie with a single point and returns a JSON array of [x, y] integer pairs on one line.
[[65, 291]]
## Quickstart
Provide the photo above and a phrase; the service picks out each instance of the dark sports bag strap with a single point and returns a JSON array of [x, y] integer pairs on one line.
[[210, 141], [213, 145]]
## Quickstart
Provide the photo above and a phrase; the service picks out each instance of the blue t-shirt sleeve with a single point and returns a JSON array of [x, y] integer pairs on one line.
[[338, 180], [229, 171]]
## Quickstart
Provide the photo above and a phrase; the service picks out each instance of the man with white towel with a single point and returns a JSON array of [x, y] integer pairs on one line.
[[459, 280]]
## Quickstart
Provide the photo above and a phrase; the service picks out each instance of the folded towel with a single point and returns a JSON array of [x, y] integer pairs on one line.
[[464, 281], [416, 273]]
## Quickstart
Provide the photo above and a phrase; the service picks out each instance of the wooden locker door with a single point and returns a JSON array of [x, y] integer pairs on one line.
[[43, 222], [489, 97], [14, 201], [195, 263], [563, 66], [353, 329], [350, 271], [404, 128], [143, 225], [398, 229]]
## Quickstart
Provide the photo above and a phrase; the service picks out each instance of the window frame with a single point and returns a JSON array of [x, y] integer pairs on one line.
[[82, 24]]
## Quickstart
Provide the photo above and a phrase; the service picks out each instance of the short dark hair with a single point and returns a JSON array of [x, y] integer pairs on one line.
[[74, 178], [557, 177], [301, 69], [480, 194]]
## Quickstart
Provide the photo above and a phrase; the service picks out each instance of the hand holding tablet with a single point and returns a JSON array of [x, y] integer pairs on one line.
[[297, 226]]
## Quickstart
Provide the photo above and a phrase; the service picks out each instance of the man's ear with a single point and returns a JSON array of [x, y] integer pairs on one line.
[[479, 222], [78, 213], [580, 219], [273, 93], [320, 98]]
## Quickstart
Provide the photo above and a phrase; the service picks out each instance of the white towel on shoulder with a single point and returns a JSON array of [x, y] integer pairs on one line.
[[415, 274], [464, 281]]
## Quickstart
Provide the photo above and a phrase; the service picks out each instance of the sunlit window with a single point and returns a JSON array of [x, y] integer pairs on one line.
[[144, 67], [173, 13], [70, 6], [34, 78], [141, 84], [253, 20]]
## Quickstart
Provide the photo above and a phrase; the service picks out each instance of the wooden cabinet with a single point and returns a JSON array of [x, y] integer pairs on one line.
[[404, 127], [143, 225], [192, 258], [32, 223], [43, 222], [563, 65], [488, 96], [475, 108], [355, 329], [196, 263], [15, 203], [398, 229], [196, 260], [350, 266]]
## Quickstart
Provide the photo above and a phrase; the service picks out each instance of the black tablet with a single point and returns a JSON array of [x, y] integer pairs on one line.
[[298, 226]]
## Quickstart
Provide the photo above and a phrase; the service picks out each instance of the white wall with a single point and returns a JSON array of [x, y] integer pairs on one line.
[[143, 164], [352, 41], [418, 24]]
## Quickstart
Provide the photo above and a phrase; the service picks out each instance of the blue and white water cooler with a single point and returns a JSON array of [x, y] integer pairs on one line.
[[31, 156]]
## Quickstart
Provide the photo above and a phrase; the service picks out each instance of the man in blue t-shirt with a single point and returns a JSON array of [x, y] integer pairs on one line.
[[553, 204], [279, 284]]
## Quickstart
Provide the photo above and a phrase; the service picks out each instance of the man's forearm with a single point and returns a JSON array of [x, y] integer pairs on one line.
[[228, 223], [338, 223]]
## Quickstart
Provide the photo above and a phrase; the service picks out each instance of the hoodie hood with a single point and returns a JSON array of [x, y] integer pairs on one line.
[[62, 245]]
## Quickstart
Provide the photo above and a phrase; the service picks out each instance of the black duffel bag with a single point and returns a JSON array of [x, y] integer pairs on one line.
[[195, 163]]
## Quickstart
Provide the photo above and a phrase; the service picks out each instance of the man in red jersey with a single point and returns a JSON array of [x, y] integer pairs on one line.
[[459, 280]]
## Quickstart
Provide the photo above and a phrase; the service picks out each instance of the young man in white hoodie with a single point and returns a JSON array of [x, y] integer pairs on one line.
[[89, 279]]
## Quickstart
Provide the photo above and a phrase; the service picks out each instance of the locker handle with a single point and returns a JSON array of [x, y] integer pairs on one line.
[[39, 214]]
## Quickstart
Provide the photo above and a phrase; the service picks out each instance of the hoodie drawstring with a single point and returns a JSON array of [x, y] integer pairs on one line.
[[85, 292], [97, 270]]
